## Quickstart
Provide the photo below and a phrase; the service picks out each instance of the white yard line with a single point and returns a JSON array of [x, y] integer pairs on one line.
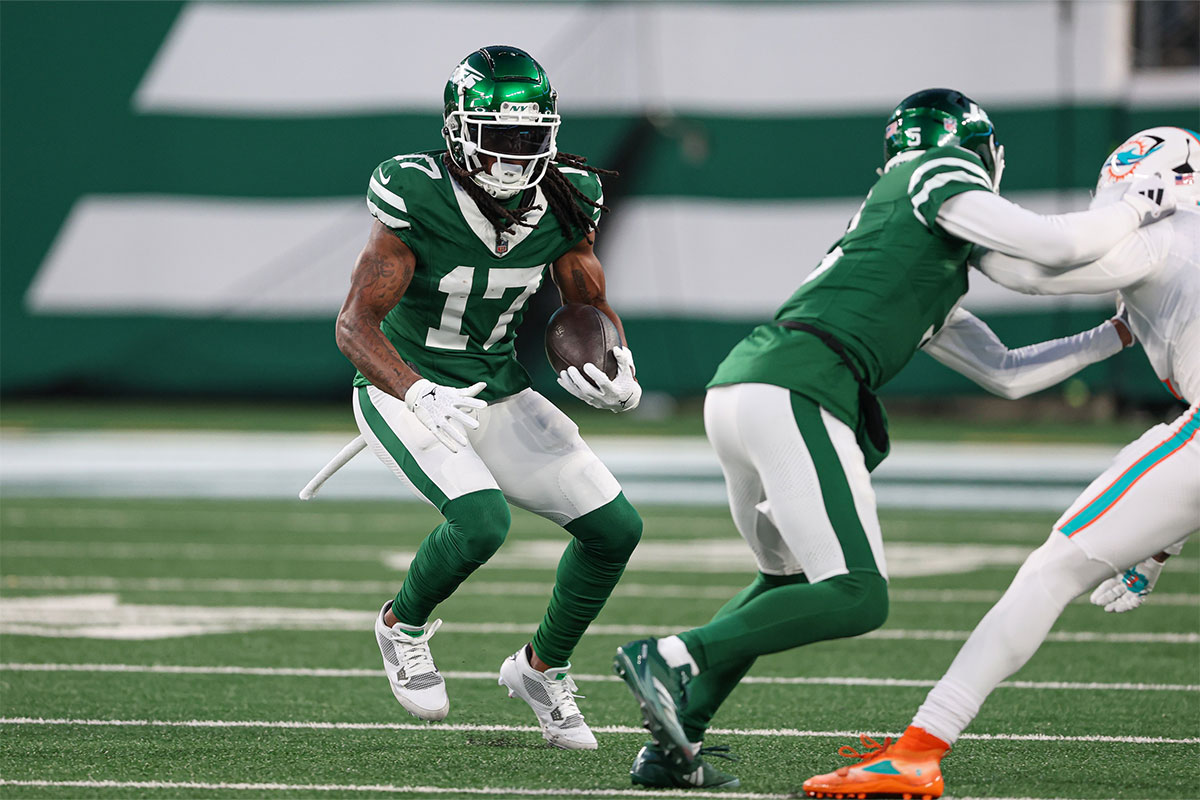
[[300, 672], [487, 588], [442, 726]]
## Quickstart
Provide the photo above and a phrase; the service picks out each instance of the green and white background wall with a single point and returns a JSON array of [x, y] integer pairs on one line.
[[182, 183]]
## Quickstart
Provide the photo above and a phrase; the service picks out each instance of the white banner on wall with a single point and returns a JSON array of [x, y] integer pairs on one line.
[[292, 258], [270, 59]]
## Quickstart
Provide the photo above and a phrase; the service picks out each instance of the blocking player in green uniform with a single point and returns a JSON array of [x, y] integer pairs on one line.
[[794, 420], [461, 240]]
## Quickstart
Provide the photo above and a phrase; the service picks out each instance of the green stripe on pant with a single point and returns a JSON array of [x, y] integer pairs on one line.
[[775, 614], [835, 489], [396, 449]]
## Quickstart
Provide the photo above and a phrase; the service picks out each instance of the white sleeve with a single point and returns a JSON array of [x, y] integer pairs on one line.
[[1056, 240], [1131, 260], [1177, 548], [967, 345]]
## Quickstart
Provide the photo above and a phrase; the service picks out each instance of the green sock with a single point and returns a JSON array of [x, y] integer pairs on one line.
[[710, 688], [791, 616], [589, 569], [475, 527]]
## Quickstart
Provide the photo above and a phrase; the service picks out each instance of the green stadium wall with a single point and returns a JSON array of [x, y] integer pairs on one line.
[[170, 232]]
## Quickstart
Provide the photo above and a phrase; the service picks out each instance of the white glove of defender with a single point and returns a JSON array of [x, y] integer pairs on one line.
[[618, 394], [1151, 197], [445, 410], [1126, 592]]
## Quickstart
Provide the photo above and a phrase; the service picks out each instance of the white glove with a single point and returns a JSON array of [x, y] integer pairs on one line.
[[445, 410], [618, 394], [1151, 197], [1126, 592]]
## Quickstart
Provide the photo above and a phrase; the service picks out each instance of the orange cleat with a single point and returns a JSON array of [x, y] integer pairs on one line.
[[884, 770]]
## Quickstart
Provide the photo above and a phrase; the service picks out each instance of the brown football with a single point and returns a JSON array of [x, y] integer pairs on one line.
[[579, 334]]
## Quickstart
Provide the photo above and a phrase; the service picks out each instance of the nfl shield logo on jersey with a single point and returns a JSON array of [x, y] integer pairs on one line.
[[502, 246]]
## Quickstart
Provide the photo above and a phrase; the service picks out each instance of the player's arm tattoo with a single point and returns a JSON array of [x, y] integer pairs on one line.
[[381, 276], [580, 279]]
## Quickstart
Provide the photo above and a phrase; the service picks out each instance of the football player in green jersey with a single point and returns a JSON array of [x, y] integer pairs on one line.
[[793, 417], [461, 240]]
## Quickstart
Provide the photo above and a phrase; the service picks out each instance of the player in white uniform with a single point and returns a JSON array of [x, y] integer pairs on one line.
[[1138, 511]]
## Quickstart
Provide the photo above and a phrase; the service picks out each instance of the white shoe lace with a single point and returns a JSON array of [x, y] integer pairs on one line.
[[563, 694], [415, 657]]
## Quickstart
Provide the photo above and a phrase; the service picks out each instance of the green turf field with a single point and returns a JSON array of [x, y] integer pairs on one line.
[[289, 694]]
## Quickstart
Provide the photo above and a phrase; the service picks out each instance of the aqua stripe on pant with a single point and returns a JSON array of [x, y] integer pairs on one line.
[[1117, 489]]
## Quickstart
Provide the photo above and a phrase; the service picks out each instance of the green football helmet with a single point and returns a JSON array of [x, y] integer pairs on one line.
[[501, 118], [943, 118]]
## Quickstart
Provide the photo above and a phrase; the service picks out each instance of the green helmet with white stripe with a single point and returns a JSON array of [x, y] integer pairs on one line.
[[943, 118], [501, 119]]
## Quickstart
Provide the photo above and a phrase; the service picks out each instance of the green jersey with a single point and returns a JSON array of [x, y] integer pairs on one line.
[[883, 289], [457, 321]]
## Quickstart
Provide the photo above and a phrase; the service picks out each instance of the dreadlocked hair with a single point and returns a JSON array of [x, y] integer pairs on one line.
[[561, 196]]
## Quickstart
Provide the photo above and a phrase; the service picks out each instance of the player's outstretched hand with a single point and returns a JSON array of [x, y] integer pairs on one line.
[[615, 394], [1151, 197], [445, 410], [1126, 592]]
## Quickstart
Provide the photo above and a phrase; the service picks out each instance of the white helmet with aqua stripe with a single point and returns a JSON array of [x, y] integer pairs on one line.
[[1171, 153]]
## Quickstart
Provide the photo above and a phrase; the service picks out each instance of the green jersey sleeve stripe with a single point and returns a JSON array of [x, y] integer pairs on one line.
[[928, 202], [943, 164], [395, 223]]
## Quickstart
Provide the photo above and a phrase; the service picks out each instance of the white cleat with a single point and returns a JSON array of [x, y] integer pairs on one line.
[[551, 695], [409, 665]]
